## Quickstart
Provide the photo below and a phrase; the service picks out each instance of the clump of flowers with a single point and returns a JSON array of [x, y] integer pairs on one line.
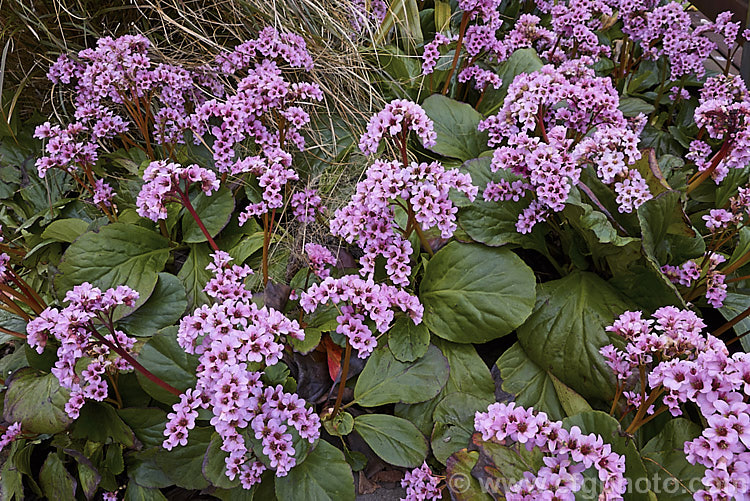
[[724, 115], [170, 182], [319, 257], [567, 453], [369, 219], [11, 433], [421, 484], [306, 204], [554, 123], [707, 271], [267, 108], [684, 365], [76, 328], [234, 340], [397, 119], [359, 300]]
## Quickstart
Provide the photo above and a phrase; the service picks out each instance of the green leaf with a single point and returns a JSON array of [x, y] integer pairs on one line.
[[195, 276], [454, 423], [99, 422], [468, 374], [385, 380], [396, 441], [456, 128], [184, 465], [407, 341], [736, 304], [664, 458], [572, 402], [214, 467], [214, 211], [135, 492], [567, 329], [55, 480], [118, 254], [323, 476], [89, 478], [341, 425], [632, 106], [65, 230], [531, 385], [462, 485], [37, 400], [473, 294], [661, 217], [166, 359], [11, 480], [605, 425], [147, 423], [164, 308]]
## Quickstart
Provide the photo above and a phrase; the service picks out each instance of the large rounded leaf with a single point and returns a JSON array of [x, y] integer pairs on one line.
[[665, 461], [166, 359], [395, 440], [37, 400], [531, 385], [214, 212], [567, 329], [164, 308], [323, 476], [118, 254], [456, 128], [184, 465], [385, 380], [472, 293]]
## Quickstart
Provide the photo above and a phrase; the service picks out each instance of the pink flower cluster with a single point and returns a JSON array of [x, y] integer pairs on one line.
[[231, 338], [431, 52], [567, 454], [690, 271], [421, 485], [319, 257], [574, 24], [367, 14], [74, 327], [11, 433], [667, 31], [724, 112], [690, 367], [370, 218], [306, 204], [552, 124], [397, 119], [357, 300], [163, 183], [226, 282]]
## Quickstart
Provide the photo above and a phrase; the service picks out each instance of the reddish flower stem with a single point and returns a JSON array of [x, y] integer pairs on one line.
[[185, 199]]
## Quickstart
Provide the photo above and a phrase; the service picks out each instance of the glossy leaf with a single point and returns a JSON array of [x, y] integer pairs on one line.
[[55, 480], [118, 254], [396, 441], [323, 476], [567, 329], [166, 359], [37, 400], [194, 274], [473, 294], [214, 211], [605, 425], [456, 128], [165, 307], [666, 464], [385, 380], [65, 230], [531, 385], [407, 341], [454, 423], [184, 465]]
